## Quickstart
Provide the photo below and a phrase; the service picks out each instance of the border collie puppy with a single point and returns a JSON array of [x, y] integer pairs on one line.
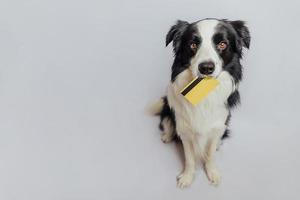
[[208, 47]]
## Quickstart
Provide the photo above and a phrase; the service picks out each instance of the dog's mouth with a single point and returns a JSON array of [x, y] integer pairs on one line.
[[207, 76], [215, 74]]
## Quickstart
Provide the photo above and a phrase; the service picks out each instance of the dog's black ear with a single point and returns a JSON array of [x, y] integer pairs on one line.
[[175, 34], [242, 31]]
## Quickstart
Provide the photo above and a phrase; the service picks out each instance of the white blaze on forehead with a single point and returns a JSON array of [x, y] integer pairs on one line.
[[207, 51], [207, 28]]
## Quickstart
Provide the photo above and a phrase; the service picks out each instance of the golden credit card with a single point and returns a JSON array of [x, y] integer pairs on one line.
[[198, 89]]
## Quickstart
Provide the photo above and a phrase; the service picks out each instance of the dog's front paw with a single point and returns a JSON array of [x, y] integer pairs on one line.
[[185, 179], [213, 175]]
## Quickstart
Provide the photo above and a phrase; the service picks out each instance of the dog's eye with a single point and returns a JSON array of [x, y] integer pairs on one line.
[[194, 46], [222, 45]]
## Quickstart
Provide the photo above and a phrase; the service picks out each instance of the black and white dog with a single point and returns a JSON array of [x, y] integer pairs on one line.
[[208, 47]]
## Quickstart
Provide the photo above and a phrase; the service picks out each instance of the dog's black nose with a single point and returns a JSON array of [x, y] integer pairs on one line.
[[206, 68]]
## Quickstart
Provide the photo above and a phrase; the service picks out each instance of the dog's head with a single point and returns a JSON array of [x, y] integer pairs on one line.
[[208, 46]]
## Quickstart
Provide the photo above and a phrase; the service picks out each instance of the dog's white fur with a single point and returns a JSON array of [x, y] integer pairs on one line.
[[207, 51], [169, 132], [201, 127], [154, 108]]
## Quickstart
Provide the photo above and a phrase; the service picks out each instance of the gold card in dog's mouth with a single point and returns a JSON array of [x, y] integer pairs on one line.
[[198, 89]]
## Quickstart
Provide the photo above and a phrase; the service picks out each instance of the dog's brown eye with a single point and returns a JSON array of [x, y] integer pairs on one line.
[[194, 46], [222, 45]]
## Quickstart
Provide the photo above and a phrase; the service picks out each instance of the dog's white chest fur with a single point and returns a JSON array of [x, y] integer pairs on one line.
[[208, 114]]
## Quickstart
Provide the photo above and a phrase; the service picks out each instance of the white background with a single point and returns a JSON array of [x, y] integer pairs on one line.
[[75, 77]]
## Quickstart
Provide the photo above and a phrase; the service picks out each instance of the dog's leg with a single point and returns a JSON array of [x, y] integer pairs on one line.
[[211, 171], [168, 130], [187, 176], [210, 168]]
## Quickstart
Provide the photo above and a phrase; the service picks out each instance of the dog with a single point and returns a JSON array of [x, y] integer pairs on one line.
[[206, 48]]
